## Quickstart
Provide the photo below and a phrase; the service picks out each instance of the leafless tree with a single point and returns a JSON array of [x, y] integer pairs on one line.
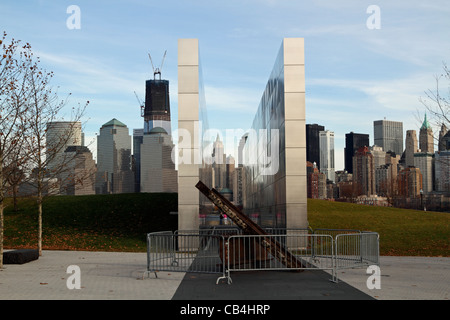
[[47, 160], [15, 66], [437, 101], [437, 104]]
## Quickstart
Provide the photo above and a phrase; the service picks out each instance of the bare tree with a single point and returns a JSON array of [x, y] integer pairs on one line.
[[47, 160], [437, 104], [15, 66], [437, 101]]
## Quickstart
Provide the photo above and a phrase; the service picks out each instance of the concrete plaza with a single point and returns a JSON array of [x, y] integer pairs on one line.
[[119, 276]]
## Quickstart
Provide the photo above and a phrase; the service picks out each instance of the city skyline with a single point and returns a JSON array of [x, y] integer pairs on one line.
[[353, 72]]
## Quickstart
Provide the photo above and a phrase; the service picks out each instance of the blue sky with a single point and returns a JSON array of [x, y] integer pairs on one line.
[[354, 75]]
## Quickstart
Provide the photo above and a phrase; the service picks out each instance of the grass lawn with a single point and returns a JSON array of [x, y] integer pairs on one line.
[[402, 232], [120, 223], [98, 222]]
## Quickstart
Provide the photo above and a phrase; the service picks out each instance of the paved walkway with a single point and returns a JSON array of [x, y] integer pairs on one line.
[[113, 275]]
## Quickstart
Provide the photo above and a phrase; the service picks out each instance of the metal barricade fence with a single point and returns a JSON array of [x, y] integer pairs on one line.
[[356, 250], [226, 250], [253, 253], [186, 251]]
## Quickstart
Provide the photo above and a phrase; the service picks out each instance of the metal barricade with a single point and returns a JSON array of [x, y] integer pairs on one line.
[[356, 250], [185, 251], [226, 250], [253, 253]]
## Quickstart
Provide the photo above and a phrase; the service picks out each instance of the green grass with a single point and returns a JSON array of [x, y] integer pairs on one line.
[[120, 223], [402, 232], [99, 222]]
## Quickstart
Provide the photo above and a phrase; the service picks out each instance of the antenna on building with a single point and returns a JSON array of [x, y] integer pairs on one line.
[[157, 70]]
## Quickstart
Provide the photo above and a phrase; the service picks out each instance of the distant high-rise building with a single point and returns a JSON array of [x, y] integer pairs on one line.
[[152, 146], [364, 172], [316, 182], [138, 138], [242, 141], [219, 169], [326, 146], [386, 175], [156, 111], [79, 176], [425, 162], [388, 135], [114, 174], [158, 172], [312, 143], [426, 142], [442, 171], [379, 156], [409, 182], [411, 147], [353, 141], [445, 141], [442, 145], [59, 136]]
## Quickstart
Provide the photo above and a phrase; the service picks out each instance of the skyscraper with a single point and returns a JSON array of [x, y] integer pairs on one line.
[[442, 146], [425, 162], [411, 147], [426, 143], [156, 112], [158, 172], [326, 143], [59, 136], [79, 176], [312, 143], [388, 135], [353, 141], [219, 165], [409, 182], [153, 165], [364, 172], [114, 174], [138, 138]]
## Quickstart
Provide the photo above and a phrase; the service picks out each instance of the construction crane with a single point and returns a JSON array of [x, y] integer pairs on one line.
[[157, 70], [140, 104]]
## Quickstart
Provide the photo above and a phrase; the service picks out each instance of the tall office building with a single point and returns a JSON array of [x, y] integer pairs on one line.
[[425, 162], [353, 141], [364, 172], [409, 182], [388, 135], [79, 176], [114, 174], [426, 142], [59, 136], [442, 162], [153, 166], [442, 171], [379, 156], [138, 138], [312, 143], [156, 111], [411, 147], [326, 145], [219, 168], [158, 172], [442, 133]]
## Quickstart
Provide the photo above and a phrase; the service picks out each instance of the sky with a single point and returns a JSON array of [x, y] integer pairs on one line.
[[361, 64]]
